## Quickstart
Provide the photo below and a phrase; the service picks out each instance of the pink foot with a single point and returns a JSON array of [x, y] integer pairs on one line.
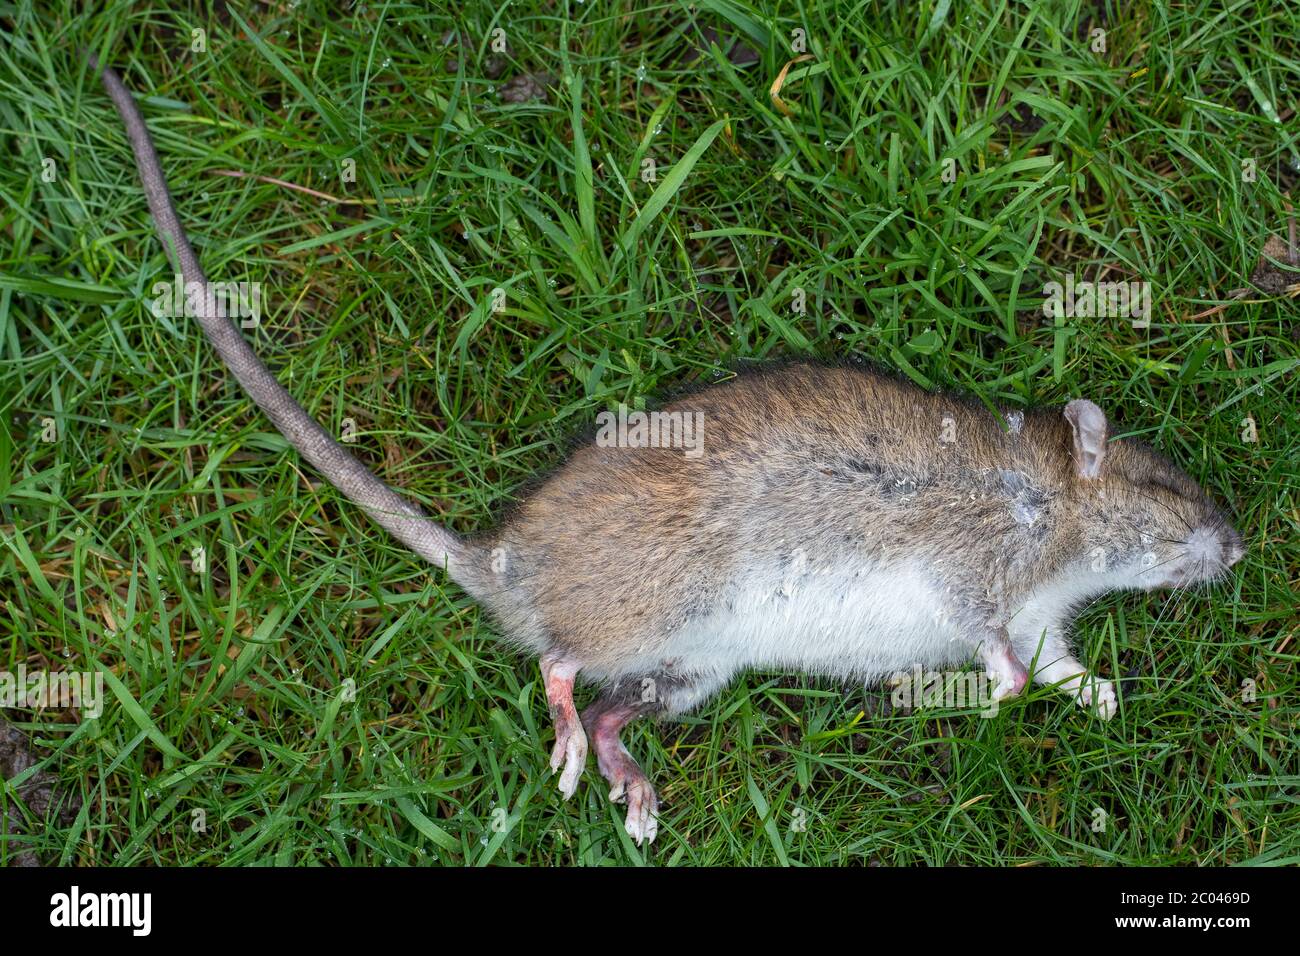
[[627, 781], [570, 741]]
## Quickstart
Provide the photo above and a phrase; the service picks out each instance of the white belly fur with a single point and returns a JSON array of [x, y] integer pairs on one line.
[[855, 622]]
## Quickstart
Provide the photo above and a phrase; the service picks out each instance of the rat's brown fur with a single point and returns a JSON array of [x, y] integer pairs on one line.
[[625, 564], [622, 545]]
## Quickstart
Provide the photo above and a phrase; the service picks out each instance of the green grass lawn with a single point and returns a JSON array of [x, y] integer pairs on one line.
[[315, 695]]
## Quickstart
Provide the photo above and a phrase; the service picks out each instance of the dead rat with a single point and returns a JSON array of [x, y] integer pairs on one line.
[[831, 520]]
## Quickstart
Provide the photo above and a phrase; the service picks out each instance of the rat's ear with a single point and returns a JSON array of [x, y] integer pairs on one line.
[[1088, 422]]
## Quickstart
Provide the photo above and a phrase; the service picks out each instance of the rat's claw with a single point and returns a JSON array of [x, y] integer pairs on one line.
[[1009, 680], [642, 806], [1102, 692], [1007, 687], [642, 810], [571, 753]]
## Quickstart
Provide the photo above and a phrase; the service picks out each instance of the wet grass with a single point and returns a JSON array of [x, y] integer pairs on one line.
[[313, 695]]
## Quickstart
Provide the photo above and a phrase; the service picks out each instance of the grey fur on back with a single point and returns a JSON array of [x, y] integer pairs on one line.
[[402, 518]]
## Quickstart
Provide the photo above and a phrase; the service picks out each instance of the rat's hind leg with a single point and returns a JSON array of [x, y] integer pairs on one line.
[[605, 720], [558, 674]]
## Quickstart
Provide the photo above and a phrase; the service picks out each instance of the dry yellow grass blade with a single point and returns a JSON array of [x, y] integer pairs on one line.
[[780, 82]]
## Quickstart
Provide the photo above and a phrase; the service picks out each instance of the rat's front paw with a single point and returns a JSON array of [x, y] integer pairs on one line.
[[1004, 668], [1008, 685], [1100, 692]]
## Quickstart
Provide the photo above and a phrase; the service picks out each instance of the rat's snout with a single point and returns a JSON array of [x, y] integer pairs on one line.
[[1209, 546]]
